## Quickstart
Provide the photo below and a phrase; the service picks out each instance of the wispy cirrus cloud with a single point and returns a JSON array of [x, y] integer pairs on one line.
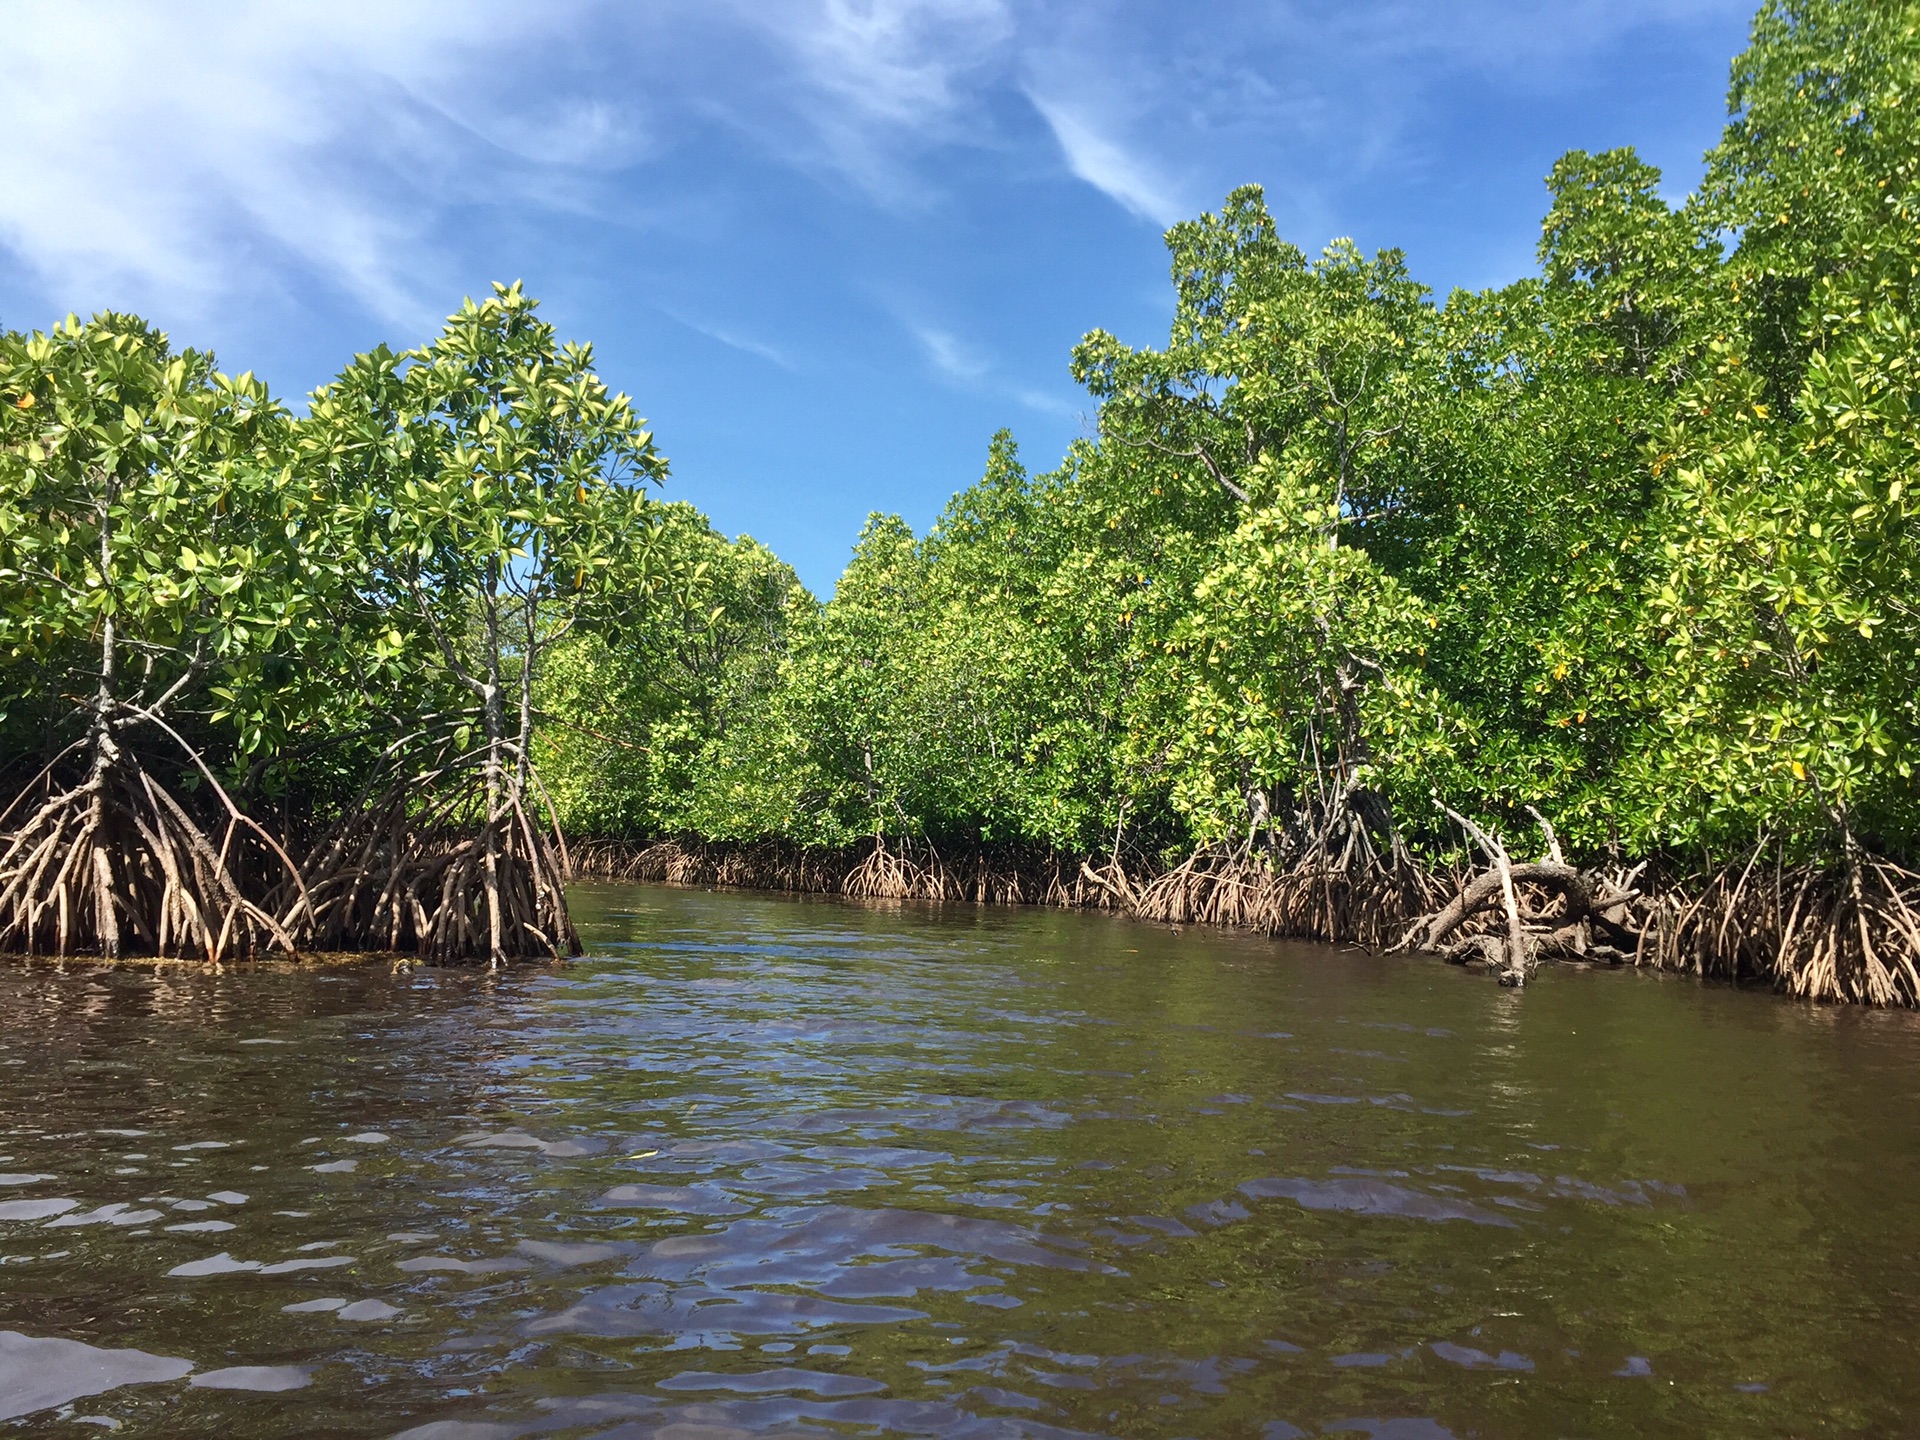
[[950, 355], [199, 151], [733, 339], [854, 91], [967, 366], [889, 218], [904, 62], [204, 153], [1101, 160], [1528, 40]]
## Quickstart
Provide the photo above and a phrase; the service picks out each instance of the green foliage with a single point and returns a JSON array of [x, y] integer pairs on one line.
[[641, 720], [342, 617], [153, 544], [1626, 542], [1790, 669], [487, 481]]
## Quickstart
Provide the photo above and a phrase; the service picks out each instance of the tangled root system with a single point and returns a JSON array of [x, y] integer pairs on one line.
[[116, 865], [427, 866]]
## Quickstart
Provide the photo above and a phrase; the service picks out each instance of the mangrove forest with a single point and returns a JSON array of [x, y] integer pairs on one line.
[[1575, 619]]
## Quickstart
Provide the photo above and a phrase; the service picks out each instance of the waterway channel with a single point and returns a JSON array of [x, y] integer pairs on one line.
[[777, 1167]]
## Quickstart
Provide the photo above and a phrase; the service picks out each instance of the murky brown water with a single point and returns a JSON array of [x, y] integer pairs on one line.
[[768, 1167]]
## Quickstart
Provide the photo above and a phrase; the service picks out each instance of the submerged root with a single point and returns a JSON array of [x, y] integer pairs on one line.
[[693, 864], [1367, 899], [878, 870], [1811, 931], [1317, 898]]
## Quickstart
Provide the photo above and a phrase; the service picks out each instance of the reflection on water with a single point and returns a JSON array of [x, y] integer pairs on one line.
[[770, 1167]]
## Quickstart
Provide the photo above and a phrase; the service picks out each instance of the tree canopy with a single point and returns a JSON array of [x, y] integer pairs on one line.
[[1346, 575]]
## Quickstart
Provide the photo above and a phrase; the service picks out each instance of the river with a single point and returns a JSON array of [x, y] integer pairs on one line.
[[765, 1166]]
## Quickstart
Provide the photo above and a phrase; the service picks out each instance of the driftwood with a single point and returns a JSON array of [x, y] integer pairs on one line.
[[1580, 894], [1548, 909]]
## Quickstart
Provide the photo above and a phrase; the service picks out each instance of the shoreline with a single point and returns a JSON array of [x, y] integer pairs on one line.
[[1805, 931]]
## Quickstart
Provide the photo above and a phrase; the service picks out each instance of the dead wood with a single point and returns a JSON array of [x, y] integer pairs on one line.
[[1546, 909]]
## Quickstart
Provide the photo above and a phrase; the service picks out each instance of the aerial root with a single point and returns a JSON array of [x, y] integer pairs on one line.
[[417, 867], [1512, 915], [1808, 929], [116, 866], [879, 870], [1848, 933], [1512, 920]]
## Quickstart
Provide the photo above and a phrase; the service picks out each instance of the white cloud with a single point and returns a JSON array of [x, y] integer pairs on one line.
[[951, 355], [193, 150], [1106, 165], [197, 153], [206, 154], [1165, 107], [965, 366], [573, 131], [895, 60], [1042, 403], [856, 90], [1531, 41], [733, 339]]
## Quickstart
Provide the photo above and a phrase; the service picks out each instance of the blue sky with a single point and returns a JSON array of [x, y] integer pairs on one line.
[[829, 246]]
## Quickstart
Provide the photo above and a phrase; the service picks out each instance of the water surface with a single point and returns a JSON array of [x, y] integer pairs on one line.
[[799, 1168]]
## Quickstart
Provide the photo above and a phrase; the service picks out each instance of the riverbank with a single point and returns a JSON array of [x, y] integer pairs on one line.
[[1812, 932]]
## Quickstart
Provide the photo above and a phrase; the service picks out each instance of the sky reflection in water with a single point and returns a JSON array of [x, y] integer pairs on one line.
[[767, 1167]]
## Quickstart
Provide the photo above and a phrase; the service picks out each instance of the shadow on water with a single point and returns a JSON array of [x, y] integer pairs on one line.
[[783, 1167]]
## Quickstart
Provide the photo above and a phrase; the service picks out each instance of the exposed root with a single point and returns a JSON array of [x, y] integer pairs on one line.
[[115, 866], [423, 866], [1512, 915], [1367, 905], [1334, 870], [894, 874], [878, 870], [766, 865], [1808, 930], [1847, 933], [1215, 885]]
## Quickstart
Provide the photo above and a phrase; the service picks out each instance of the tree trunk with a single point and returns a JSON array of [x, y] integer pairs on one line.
[[495, 721]]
